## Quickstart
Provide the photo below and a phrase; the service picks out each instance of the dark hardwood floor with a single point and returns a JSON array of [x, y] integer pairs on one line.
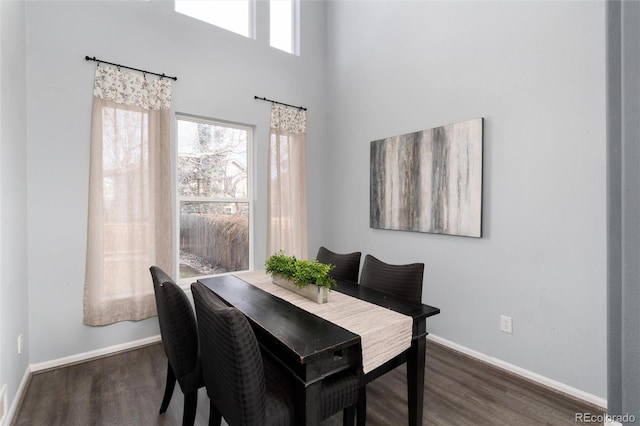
[[127, 388]]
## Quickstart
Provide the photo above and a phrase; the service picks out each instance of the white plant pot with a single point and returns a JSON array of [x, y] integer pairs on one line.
[[310, 291]]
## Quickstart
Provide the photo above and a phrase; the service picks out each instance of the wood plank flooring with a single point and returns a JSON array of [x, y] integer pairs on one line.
[[127, 388]]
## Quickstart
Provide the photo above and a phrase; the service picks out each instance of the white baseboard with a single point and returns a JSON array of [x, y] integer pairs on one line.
[[553, 384], [16, 400], [98, 353], [69, 360], [4, 405]]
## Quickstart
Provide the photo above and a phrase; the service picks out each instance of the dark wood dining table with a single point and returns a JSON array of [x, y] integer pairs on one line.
[[312, 348]]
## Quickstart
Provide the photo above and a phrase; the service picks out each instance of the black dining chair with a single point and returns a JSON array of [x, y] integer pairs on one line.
[[346, 266], [404, 281], [247, 387], [243, 387], [179, 335]]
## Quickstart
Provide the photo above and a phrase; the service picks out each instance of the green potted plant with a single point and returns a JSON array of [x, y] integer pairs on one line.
[[297, 275]]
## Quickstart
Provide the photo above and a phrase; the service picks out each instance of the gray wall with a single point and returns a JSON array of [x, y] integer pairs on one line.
[[13, 201], [218, 73], [536, 72], [623, 133]]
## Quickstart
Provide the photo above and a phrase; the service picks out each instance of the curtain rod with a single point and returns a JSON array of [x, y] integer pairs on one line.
[[129, 68], [280, 103]]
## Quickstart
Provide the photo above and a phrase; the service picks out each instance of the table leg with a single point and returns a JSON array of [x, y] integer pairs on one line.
[[308, 404], [415, 380]]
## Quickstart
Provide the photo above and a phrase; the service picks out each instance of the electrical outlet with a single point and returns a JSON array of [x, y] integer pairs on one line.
[[20, 343], [506, 324]]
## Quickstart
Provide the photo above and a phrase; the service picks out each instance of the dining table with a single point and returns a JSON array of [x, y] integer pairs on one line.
[[313, 348]]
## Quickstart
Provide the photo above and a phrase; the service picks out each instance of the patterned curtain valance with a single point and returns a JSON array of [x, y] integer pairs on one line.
[[288, 119], [127, 88]]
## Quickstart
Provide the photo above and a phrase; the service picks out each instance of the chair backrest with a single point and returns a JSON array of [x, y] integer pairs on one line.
[[231, 360], [404, 281], [346, 265], [177, 328]]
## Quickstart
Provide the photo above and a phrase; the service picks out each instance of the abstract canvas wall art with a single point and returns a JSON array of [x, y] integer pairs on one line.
[[429, 181]]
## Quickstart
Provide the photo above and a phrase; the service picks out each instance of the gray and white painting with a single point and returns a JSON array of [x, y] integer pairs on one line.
[[429, 181]]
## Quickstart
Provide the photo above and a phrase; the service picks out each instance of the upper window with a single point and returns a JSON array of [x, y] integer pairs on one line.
[[282, 25], [238, 16], [232, 15], [214, 195]]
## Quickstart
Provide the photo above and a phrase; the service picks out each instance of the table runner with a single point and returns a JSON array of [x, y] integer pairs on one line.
[[384, 333]]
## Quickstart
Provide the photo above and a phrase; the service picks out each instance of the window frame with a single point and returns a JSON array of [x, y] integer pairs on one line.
[[249, 198]]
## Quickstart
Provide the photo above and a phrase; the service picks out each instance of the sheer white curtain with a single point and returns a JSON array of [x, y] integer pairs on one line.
[[129, 226], [287, 193]]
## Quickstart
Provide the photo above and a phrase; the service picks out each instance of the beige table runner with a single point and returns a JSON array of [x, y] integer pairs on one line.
[[384, 333]]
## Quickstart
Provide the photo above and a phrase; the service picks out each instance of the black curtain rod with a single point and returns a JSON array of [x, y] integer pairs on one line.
[[280, 103], [99, 61]]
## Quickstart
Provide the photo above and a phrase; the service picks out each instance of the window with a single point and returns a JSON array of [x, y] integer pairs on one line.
[[214, 194], [125, 185], [129, 223], [282, 25], [238, 16], [232, 15]]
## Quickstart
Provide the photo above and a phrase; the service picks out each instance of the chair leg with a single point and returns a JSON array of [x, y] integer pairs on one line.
[[168, 389], [349, 415], [190, 407], [362, 406], [215, 418]]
